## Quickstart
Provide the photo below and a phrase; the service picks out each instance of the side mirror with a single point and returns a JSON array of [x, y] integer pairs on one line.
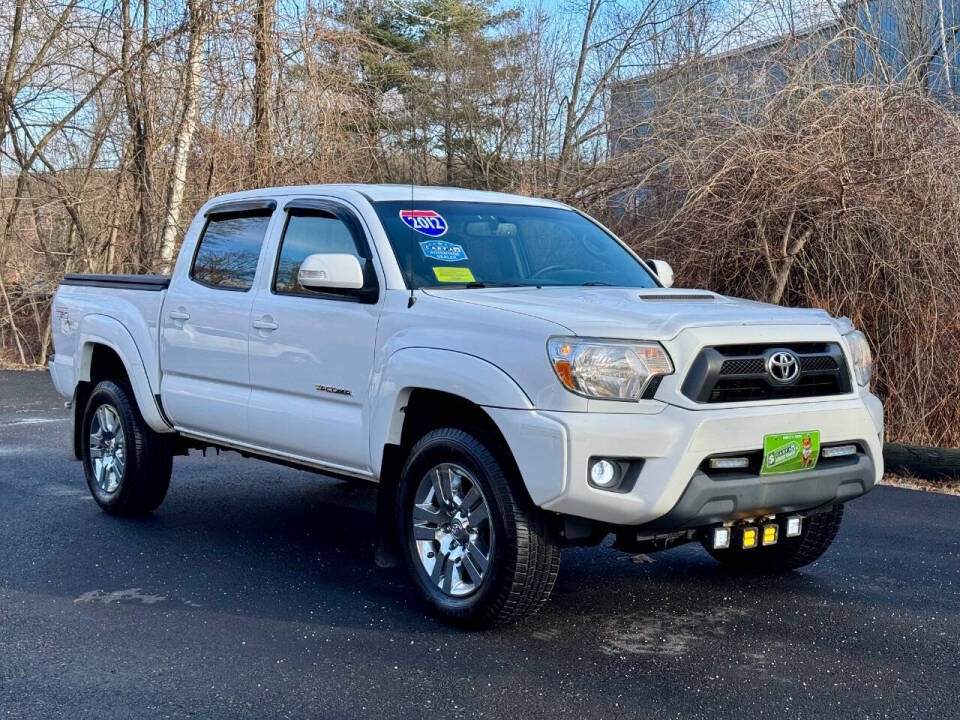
[[663, 270], [339, 271]]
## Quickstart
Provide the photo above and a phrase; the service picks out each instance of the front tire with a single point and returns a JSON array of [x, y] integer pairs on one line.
[[788, 554], [126, 463], [477, 550]]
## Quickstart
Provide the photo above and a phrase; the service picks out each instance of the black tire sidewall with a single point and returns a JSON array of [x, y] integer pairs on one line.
[[473, 455], [117, 397]]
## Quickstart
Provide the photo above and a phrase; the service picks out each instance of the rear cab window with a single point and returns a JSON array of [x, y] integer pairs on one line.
[[228, 251]]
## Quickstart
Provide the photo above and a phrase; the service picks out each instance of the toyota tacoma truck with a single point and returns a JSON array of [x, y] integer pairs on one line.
[[515, 378]]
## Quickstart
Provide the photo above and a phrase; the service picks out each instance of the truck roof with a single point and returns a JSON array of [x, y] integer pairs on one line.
[[384, 192]]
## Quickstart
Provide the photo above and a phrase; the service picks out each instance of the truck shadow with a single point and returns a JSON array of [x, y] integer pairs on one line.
[[292, 546]]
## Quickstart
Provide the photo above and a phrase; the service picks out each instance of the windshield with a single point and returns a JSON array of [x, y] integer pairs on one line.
[[444, 244]]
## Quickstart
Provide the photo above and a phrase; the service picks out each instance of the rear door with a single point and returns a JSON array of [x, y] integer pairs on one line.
[[206, 320], [311, 352]]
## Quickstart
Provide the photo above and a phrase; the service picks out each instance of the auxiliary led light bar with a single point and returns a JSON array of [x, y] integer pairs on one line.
[[747, 537], [728, 463], [836, 451]]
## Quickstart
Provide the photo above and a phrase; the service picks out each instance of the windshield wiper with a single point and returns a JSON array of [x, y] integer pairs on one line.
[[484, 284], [592, 283]]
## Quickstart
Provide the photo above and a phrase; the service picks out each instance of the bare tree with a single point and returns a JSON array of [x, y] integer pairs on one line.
[[177, 182], [263, 76], [610, 33]]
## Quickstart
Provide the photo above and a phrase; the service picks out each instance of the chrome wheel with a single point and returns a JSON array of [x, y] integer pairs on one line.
[[452, 531], [107, 449]]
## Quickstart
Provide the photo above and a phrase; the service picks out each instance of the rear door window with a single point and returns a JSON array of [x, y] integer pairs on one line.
[[229, 250]]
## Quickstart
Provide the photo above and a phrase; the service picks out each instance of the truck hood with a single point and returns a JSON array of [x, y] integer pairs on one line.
[[655, 314]]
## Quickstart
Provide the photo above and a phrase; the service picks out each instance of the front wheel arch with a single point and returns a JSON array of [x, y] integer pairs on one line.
[[427, 410]]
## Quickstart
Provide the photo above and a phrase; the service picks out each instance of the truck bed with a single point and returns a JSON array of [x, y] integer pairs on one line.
[[121, 311]]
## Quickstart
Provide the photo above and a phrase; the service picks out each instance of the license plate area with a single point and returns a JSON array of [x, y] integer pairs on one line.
[[790, 452]]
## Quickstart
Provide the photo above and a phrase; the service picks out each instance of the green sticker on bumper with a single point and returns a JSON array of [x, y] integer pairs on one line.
[[790, 452]]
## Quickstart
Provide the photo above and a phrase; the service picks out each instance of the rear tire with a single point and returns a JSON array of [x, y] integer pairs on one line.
[[478, 551], [126, 463], [788, 554]]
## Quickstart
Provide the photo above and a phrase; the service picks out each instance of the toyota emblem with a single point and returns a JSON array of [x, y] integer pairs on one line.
[[783, 367]]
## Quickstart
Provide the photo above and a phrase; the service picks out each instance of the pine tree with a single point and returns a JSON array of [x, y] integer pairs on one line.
[[450, 62]]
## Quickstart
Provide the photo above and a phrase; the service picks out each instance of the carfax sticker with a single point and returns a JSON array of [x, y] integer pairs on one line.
[[425, 222], [790, 452], [443, 250], [453, 274]]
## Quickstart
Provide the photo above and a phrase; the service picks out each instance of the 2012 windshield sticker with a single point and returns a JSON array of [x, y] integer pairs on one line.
[[425, 222], [443, 250]]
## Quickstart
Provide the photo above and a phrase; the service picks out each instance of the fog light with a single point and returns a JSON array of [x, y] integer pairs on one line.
[[728, 463], [604, 474], [749, 538], [838, 451], [769, 534], [794, 525]]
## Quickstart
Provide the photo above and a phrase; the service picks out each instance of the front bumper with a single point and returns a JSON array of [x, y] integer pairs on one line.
[[709, 500], [553, 450]]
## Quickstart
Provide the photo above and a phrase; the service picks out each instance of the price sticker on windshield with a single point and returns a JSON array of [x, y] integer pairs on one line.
[[453, 275]]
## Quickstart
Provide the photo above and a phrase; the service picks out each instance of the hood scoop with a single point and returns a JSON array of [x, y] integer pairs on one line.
[[679, 297]]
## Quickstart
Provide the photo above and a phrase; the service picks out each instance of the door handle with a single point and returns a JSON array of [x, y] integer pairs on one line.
[[265, 324], [179, 315]]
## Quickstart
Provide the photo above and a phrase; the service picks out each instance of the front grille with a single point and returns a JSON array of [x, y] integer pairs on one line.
[[736, 390], [804, 348], [738, 373], [742, 367], [817, 362]]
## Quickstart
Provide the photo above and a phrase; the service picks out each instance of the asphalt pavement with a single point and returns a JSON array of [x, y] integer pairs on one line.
[[252, 593]]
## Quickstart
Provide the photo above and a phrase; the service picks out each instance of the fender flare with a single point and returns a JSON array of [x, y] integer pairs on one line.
[[461, 374], [107, 331]]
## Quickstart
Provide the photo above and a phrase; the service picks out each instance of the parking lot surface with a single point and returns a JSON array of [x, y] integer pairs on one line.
[[252, 592]]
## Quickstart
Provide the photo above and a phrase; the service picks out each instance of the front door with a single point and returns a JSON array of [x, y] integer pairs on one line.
[[205, 326], [311, 353]]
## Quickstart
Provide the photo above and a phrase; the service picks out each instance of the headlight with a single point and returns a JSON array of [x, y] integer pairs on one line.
[[607, 369], [860, 357]]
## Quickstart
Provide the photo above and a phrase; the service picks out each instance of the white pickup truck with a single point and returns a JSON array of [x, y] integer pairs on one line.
[[513, 376]]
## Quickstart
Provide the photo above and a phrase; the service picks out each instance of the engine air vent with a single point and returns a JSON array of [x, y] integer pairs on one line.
[[669, 297]]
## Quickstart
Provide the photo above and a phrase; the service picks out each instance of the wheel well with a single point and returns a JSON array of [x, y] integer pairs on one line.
[[427, 410], [105, 364]]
